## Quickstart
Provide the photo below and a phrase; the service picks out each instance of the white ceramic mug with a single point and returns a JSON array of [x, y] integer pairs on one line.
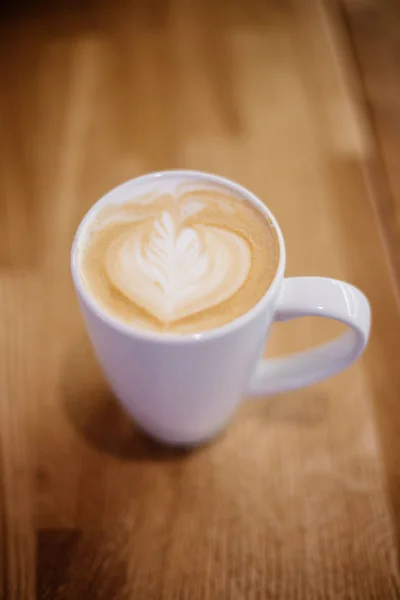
[[184, 389]]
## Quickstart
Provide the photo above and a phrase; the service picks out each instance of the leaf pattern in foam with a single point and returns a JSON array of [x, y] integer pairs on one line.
[[173, 272], [174, 261]]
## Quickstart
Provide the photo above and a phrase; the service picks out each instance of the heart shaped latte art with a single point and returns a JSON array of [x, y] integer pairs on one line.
[[174, 272]]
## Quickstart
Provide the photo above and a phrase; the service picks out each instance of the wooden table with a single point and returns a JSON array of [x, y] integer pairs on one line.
[[301, 497]]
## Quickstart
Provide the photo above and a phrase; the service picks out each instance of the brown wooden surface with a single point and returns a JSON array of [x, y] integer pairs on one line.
[[374, 30], [300, 498]]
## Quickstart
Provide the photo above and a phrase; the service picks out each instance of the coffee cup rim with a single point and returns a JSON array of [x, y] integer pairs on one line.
[[173, 338]]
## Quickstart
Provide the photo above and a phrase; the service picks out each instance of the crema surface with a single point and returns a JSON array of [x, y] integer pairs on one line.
[[180, 258]]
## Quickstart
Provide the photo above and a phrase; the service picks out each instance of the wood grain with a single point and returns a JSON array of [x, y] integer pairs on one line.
[[373, 29], [300, 497]]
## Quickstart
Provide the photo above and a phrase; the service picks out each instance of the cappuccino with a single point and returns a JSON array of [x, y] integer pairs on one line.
[[177, 256]]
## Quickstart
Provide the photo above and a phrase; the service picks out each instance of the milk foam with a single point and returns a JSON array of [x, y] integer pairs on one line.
[[173, 271], [176, 255]]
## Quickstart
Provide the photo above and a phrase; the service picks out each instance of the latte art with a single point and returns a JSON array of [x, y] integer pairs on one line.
[[179, 260], [173, 272]]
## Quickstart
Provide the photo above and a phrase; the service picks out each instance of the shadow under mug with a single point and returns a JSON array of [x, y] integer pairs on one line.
[[183, 389]]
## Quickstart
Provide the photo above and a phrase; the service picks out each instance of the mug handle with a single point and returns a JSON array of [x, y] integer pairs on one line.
[[318, 297]]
